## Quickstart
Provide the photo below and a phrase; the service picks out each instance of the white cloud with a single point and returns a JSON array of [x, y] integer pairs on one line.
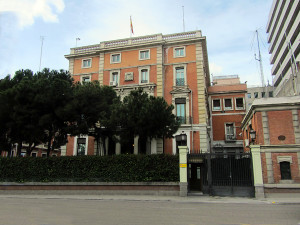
[[28, 10]]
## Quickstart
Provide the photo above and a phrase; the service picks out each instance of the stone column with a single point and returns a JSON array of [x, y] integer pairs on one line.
[[153, 146], [257, 171], [183, 150], [136, 145], [118, 148], [63, 150]]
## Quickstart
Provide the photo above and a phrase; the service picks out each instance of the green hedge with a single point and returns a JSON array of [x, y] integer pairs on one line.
[[117, 168]]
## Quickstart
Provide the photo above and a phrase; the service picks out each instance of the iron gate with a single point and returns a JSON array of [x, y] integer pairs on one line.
[[222, 174]]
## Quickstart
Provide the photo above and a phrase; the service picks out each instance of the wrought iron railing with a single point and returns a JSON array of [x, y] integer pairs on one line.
[[179, 81]]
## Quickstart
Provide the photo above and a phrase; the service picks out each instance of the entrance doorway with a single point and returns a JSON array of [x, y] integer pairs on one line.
[[195, 183]]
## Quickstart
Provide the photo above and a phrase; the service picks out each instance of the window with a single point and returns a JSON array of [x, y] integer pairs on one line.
[[285, 170], [44, 155], [180, 109], [144, 76], [144, 54], [239, 103], [249, 95], [263, 94], [115, 58], [180, 76], [216, 104], [255, 94], [229, 131], [86, 78], [228, 103], [86, 63], [81, 146], [33, 154], [179, 52], [114, 78], [270, 93]]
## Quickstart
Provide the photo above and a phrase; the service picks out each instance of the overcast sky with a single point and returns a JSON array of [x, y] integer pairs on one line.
[[229, 26]]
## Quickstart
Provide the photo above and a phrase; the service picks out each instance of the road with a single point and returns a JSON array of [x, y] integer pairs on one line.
[[39, 211]]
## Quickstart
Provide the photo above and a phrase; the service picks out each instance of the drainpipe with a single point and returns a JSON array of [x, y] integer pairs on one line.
[[192, 120]]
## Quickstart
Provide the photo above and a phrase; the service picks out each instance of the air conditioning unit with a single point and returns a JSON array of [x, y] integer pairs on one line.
[[113, 83], [246, 142]]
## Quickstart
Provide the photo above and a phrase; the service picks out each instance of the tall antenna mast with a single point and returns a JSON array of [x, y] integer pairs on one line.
[[42, 39], [183, 18], [260, 62]]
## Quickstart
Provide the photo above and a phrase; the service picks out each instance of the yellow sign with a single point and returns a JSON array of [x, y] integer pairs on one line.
[[182, 165]]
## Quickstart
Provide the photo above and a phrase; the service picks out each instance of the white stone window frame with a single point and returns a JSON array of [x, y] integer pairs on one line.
[[144, 50], [85, 75], [111, 77], [212, 104], [111, 57], [174, 73], [187, 104], [140, 74], [179, 47], [86, 59], [227, 109], [239, 108], [234, 130], [75, 144]]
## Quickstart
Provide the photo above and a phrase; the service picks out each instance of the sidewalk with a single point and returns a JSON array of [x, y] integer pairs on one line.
[[188, 199]]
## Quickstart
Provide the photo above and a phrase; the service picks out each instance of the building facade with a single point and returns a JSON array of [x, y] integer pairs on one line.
[[227, 105], [283, 36], [275, 143], [257, 93], [174, 67]]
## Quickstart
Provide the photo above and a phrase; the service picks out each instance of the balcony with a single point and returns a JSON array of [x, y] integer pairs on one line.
[[185, 120], [230, 138], [179, 81]]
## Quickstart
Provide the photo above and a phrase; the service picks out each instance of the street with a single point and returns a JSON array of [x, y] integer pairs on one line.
[[64, 211]]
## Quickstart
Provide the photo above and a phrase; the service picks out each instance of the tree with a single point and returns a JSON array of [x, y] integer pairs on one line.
[[146, 117], [33, 109], [53, 92], [90, 111], [17, 117]]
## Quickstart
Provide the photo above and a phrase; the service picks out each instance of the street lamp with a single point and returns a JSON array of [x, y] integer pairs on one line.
[[252, 135], [181, 139]]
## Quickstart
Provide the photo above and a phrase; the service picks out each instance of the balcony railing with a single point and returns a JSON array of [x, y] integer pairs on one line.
[[137, 40], [179, 81], [230, 137], [185, 120]]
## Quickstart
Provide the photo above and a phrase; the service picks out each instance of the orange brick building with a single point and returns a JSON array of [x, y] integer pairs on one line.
[[171, 66], [275, 123], [227, 106]]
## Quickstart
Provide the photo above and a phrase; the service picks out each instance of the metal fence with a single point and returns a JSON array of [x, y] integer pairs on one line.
[[225, 173]]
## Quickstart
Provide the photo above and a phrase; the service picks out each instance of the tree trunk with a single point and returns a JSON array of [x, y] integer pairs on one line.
[[29, 150], [49, 146], [104, 145], [19, 148]]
